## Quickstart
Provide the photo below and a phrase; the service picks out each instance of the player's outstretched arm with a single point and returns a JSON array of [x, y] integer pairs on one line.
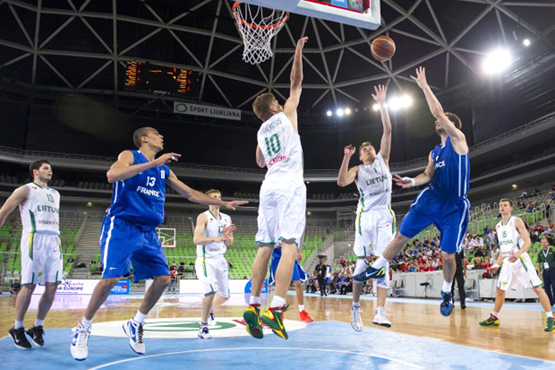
[[424, 178], [124, 168], [347, 176], [457, 137], [292, 102], [260, 161], [19, 196], [196, 196], [379, 97]]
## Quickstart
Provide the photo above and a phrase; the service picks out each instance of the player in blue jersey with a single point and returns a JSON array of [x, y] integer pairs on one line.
[[442, 203], [299, 276], [129, 232]]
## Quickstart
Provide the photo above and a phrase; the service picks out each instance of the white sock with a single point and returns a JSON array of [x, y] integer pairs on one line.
[[496, 314], [139, 317], [301, 307], [255, 300], [446, 287], [203, 324], [18, 324], [549, 314], [39, 322], [277, 302], [380, 262], [356, 304], [86, 322]]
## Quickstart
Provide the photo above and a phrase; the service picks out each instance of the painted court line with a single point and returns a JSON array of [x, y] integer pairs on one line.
[[259, 349]]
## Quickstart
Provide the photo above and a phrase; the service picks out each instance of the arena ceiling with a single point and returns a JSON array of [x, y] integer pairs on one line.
[[82, 46]]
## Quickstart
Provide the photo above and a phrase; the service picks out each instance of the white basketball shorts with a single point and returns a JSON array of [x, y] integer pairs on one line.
[[282, 210], [213, 273], [374, 230], [522, 271], [41, 259]]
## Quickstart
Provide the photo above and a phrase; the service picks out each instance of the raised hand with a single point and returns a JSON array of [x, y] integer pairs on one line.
[[349, 150], [166, 158], [235, 203], [420, 78], [381, 92], [301, 42], [404, 182], [227, 231]]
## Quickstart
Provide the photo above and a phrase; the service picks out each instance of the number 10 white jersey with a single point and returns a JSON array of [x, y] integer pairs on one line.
[[281, 146]]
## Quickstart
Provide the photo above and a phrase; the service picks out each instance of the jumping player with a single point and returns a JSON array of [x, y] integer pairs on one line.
[[516, 265], [281, 214], [299, 276], [375, 226], [41, 257], [442, 203], [213, 234], [129, 232]]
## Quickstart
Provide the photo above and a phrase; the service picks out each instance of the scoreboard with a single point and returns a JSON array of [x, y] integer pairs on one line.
[[146, 77]]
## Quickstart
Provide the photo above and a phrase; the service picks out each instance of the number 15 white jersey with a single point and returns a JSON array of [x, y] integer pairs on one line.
[[281, 146]]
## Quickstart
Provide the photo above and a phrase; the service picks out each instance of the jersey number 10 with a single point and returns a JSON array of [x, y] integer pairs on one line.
[[273, 146]]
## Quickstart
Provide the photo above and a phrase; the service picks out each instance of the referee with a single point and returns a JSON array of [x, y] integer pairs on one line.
[[546, 264], [460, 273]]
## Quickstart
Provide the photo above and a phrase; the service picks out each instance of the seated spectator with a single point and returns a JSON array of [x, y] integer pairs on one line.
[[529, 207], [15, 287], [552, 192], [524, 195], [312, 286]]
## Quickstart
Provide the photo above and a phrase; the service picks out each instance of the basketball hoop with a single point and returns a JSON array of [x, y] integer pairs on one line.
[[257, 26]]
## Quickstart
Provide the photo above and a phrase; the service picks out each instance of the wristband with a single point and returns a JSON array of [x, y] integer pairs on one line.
[[412, 181]]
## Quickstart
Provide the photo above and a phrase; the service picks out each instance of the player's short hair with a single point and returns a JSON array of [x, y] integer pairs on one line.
[[213, 191], [506, 200], [261, 106], [36, 165], [139, 133], [455, 119], [366, 143]]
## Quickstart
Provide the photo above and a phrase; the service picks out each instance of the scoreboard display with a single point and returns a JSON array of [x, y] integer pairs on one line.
[[146, 77]]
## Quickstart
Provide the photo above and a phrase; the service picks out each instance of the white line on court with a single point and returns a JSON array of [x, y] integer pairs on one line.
[[259, 349]]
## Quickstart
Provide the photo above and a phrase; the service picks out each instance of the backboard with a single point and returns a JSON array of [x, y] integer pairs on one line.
[[358, 13]]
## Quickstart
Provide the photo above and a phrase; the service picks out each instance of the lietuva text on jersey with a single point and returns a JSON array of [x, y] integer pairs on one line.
[[140, 199], [452, 172]]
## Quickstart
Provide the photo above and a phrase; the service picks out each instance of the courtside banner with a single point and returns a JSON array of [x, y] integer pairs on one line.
[[78, 286], [206, 111]]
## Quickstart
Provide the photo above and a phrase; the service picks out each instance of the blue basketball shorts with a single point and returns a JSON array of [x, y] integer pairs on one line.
[[122, 242], [450, 216], [298, 272]]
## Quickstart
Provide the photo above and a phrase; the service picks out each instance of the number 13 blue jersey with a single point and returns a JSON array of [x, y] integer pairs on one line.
[[140, 199]]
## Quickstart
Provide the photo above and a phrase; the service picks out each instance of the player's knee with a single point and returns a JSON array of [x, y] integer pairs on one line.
[[500, 292], [448, 256], [51, 288], [162, 281], [29, 288]]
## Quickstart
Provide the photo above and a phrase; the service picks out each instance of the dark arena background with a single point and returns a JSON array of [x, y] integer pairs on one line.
[[78, 77]]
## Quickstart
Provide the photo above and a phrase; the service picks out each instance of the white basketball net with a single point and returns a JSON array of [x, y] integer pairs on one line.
[[258, 26]]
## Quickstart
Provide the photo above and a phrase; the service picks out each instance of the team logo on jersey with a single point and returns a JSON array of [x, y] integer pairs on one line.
[[187, 328], [163, 174]]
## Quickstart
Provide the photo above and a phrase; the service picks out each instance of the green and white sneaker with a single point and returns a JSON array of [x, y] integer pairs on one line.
[[550, 325], [490, 321]]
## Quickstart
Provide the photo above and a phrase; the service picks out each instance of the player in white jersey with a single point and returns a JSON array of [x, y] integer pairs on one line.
[[281, 213], [516, 265], [41, 257], [213, 234], [375, 222]]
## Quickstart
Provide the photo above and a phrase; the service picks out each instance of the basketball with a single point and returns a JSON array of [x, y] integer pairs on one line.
[[383, 48]]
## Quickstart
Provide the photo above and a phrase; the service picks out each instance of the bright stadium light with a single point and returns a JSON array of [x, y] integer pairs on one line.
[[376, 107], [339, 112], [348, 111], [329, 113], [526, 42], [394, 104], [497, 61]]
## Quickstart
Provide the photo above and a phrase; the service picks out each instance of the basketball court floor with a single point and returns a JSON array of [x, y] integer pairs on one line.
[[420, 337]]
